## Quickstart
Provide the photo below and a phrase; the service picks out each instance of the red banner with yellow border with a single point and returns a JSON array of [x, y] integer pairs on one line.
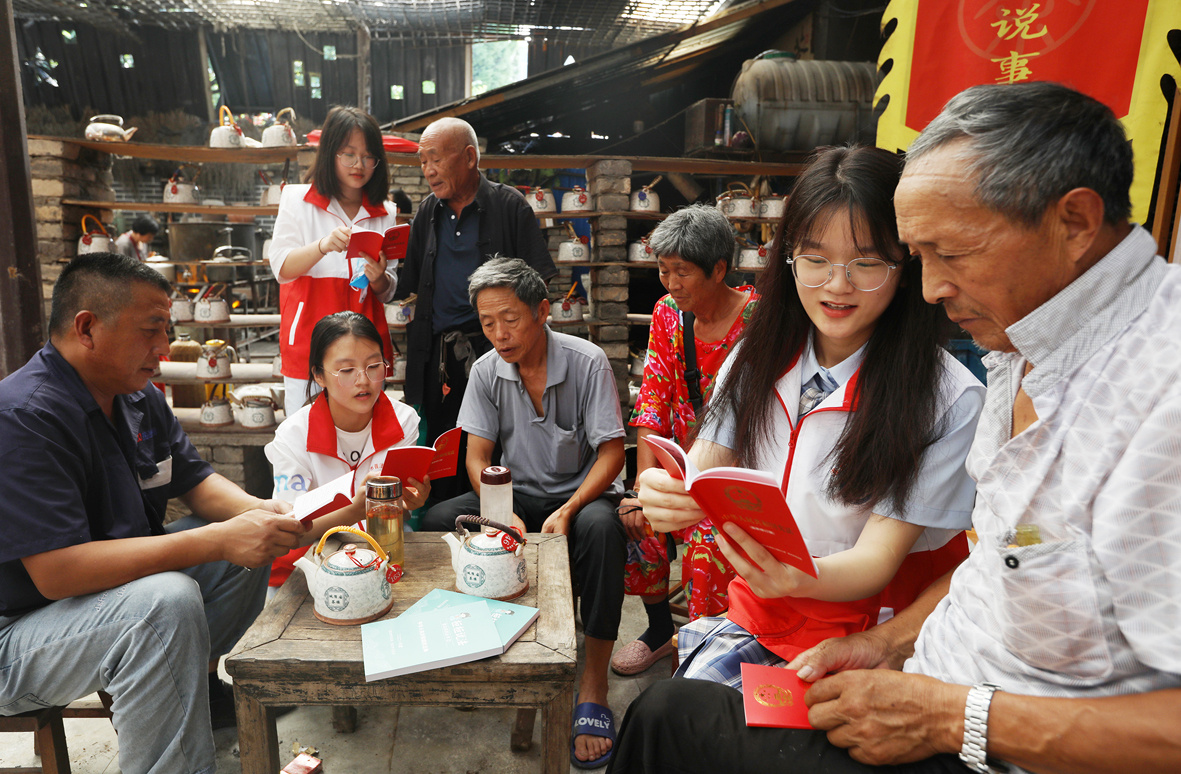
[[1117, 51]]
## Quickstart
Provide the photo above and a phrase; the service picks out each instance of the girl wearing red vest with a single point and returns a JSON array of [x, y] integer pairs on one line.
[[349, 185], [345, 425], [840, 389]]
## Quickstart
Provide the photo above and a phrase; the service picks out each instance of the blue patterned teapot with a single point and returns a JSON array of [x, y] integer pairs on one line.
[[349, 586], [490, 563]]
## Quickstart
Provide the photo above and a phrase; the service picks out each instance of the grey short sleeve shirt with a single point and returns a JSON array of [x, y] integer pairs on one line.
[[549, 455]]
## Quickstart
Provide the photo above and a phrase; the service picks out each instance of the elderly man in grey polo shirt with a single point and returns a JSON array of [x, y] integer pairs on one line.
[[551, 401]]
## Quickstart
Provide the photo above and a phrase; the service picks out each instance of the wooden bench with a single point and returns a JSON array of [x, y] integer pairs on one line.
[[49, 732]]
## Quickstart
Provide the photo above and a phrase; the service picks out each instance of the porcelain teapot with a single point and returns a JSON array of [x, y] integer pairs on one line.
[[182, 309], [257, 412], [94, 240], [280, 134], [490, 563], [108, 128], [574, 250], [577, 200], [645, 199], [567, 310], [215, 360], [542, 200], [227, 134], [216, 413], [211, 310], [351, 585], [177, 191], [737, 202]]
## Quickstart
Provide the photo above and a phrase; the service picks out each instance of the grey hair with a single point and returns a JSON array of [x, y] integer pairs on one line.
[[699, 234], [457, 130], [1028, 144], [511, 273]]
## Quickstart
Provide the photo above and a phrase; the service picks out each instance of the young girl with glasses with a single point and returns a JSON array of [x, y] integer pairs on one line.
[[344, 426], [348, 187], [840, 389]]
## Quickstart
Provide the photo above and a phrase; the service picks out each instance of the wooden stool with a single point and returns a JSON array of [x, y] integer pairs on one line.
[[49, 733]]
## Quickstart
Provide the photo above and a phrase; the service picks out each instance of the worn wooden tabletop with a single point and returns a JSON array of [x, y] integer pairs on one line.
[[289, 657]]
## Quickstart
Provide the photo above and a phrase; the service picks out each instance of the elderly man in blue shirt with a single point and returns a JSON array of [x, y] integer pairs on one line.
[[551, 401], [95, 591]]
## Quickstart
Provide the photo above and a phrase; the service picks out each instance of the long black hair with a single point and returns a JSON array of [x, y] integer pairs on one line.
[[334, 135], [327, 331], [878, 453]]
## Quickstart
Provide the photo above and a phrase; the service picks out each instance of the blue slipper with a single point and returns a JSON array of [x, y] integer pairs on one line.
[[593, 720]]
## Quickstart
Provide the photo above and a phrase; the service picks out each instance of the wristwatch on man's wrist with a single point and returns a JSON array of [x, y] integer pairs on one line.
[[974, 753]]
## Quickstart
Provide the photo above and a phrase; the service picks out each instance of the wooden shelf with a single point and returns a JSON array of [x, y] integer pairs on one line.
[[194, 154], [639, 319], [196, 209], [190, 420], [236, 321], [186, 373]]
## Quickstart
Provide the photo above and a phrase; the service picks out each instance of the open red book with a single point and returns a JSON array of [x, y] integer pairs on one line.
[[405, 462], [391, 243], [749, 498], [417, 462], [773, 697]]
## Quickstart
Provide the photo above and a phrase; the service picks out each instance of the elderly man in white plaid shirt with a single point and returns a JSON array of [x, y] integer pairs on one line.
[[1056, 646]]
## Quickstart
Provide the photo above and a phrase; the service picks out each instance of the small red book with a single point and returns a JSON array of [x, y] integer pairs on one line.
[[773, 697], [417, 462], [391, 243], [749, 498]]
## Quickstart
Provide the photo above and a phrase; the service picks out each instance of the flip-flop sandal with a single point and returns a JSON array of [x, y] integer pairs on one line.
[[636, 657], [593, 720]]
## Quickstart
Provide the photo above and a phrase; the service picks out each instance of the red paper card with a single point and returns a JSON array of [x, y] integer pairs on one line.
[[773, 697]]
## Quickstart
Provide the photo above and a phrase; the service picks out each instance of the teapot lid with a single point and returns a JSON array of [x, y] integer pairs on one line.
[[352, 558]]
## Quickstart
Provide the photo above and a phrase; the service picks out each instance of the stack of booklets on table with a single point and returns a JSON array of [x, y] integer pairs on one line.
[[442, 629]]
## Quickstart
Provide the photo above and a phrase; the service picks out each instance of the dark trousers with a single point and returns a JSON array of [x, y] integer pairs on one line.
[[440, 411], [598, 548], [680, 725]]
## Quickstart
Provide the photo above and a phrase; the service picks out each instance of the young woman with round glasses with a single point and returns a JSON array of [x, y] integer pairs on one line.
[[347, 187], [347, 423], [841, 390]]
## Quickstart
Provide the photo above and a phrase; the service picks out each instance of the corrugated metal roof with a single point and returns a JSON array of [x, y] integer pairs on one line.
[[610, 22]]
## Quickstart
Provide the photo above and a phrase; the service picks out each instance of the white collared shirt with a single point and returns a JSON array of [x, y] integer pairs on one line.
[[1095, 608]]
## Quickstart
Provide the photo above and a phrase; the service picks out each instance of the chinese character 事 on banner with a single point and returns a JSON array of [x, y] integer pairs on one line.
[[1115, 52]]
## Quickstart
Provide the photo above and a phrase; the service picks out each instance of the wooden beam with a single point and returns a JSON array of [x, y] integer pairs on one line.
[[364, 77], [21, 329], [191, 153]]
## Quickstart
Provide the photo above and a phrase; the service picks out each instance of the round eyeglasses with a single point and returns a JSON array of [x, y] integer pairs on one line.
[[374, 372], [866, 274], [352, 160]]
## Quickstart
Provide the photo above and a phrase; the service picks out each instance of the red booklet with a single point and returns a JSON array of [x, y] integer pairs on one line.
[[391, 243], [749, 498], [773, 697], [417, 462]]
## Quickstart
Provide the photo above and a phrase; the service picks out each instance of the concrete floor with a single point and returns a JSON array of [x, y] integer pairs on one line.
[[422, 740]]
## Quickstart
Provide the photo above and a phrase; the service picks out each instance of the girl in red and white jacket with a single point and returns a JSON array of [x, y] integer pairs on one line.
[[841, 390], [346, 424], [349, 186]]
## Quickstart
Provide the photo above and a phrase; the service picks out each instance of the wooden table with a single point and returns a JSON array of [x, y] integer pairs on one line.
[[289, 657]]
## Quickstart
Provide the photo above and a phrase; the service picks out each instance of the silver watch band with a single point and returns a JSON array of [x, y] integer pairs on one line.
[[974, 753]]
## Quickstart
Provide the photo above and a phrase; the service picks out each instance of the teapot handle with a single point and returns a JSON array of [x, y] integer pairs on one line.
[[381, 555], [283, 112], [97, 222], [222, 114], [488, 523]]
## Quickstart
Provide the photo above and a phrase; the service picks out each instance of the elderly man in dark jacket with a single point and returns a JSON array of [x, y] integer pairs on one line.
[[464, 221]]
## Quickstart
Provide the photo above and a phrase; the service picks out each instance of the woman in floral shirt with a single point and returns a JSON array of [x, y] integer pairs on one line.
[[694, 249]]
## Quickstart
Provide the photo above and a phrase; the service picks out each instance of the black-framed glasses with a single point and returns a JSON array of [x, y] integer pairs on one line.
[[374, 372], [866, 274], [352, 159]]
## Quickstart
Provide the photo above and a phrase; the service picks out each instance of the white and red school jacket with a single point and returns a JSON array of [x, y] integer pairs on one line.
[[799, 454], [305, 215], [304, 454]]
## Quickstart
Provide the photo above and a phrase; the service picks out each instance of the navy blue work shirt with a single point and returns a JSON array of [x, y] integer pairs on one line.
[[459, 243], [69, 475]]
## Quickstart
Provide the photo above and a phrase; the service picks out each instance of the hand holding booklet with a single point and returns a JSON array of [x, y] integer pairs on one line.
[[749, 498], [405, 462], [391, 243]]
